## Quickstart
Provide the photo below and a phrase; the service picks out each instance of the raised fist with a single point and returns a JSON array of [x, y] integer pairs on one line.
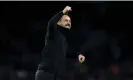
[[81, 58], [67, 9]]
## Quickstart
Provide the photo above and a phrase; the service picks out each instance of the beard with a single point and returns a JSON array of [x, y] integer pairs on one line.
[[68, 26]]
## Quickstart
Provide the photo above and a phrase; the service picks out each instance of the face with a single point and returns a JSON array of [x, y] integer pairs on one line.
[[65, 21]]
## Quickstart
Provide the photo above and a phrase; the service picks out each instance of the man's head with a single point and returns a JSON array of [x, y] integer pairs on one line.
[[65, 21]]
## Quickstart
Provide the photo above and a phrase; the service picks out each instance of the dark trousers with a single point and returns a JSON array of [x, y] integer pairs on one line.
[[41, 75]]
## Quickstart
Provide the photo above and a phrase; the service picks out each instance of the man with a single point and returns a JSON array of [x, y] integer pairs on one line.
[[52, 66]]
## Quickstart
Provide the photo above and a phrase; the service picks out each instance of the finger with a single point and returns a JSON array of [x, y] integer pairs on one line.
[[80, 59], [70, 9], [83, 59]]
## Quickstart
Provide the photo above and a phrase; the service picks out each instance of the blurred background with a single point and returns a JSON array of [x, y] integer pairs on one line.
[[102, 31]]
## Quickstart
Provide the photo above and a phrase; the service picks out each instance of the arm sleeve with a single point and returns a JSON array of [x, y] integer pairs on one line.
[[52, 25], [53, 21]]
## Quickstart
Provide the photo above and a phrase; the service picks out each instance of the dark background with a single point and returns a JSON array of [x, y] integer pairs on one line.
[[23, 27]]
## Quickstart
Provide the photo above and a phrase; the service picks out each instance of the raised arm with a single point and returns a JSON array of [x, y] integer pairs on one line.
[[53, 21]]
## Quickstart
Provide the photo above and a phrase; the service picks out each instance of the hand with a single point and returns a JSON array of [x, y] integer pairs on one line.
[[81, 58], [67, 9]]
